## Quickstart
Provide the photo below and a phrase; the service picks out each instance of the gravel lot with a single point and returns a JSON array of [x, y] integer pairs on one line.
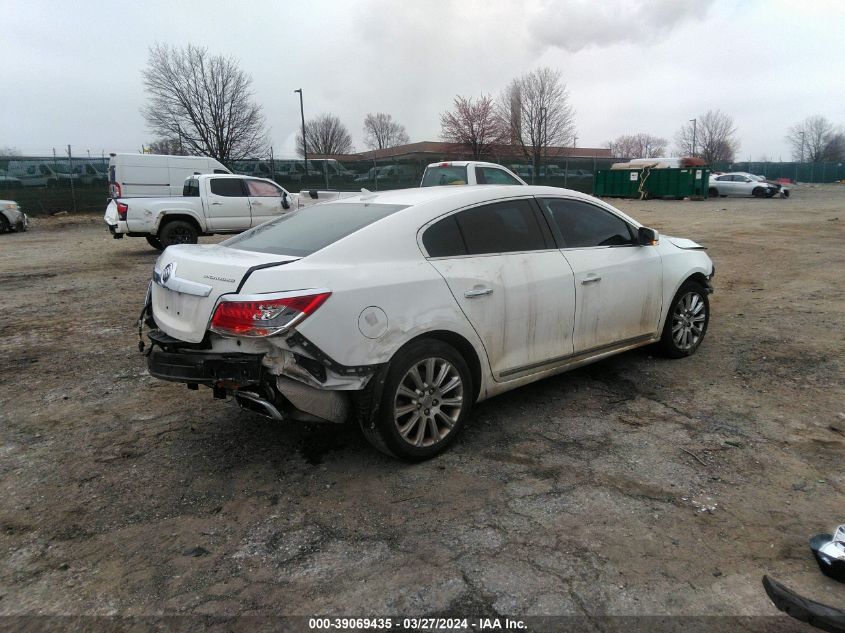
[[637, 485]]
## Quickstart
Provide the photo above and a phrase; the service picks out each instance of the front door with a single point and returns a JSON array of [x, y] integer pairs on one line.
[[265, 199], [513, 285], [618, 283], [227, 204]]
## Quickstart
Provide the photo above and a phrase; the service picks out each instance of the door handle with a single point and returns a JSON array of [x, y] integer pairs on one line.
[[216, 203], [590, 280], [478, 292], [256, 204]]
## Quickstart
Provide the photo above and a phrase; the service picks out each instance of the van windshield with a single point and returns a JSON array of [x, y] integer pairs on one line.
[[451, 175], [308, 230]]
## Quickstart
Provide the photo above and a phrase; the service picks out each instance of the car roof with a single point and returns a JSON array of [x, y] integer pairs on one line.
[[460, 194], [462, 163]]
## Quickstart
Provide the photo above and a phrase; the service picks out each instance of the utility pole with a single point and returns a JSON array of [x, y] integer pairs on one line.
[[272, 165], [575, 142], [802, 147], [304, 143], [70, 176], [694, 126]]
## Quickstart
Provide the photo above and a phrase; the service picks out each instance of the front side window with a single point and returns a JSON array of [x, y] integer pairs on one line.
[[444, 175], [229, 187], [261, 189], [583, 225], [503, 227], [493, 176], [308, 230]]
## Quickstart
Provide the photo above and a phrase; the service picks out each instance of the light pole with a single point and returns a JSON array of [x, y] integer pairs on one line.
[[304, 145], [802, 147], [694, 126]]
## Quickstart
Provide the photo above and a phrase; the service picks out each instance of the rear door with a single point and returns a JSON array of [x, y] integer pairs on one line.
[[265, 200], [227, 204], [511, 282], [618, 284]]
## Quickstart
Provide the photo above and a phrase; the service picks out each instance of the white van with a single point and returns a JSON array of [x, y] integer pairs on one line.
[[156, 175]]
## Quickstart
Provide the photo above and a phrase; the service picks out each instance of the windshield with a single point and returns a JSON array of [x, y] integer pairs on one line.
[[308, 230], [451, 175]]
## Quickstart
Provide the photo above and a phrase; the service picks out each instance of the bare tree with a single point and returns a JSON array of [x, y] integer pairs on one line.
[[473, 124], [326, 135], [714, 136], [203, 103], [535, 111], [815, 139], [169, 146], [381, 131], [640, 145]]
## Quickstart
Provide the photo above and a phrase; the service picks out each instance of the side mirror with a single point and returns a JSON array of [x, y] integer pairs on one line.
[[285, 201], [647, 236]]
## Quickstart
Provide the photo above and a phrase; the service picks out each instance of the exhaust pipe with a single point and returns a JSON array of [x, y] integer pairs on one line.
[[253, 402]]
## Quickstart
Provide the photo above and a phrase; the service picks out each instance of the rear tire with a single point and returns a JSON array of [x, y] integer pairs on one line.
[[153, 241], [178, 232], [425, 396], [687, 321]]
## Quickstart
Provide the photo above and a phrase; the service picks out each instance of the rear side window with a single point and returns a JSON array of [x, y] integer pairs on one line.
[[502, 227], [230, 187], [191, 189], [220, 171], [308, 230], [493, 176], [443, 239], [438, 176], [583, 225], [261, 189]]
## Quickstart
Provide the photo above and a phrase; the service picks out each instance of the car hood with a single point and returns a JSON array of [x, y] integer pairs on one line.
[[682, 242]]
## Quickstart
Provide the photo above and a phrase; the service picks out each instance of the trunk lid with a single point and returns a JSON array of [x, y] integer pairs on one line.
[[189, 279]]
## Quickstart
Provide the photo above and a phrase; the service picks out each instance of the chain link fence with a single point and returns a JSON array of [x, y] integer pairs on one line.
[[50, 184]]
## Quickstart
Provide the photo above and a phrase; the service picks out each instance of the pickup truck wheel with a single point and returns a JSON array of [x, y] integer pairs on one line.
[[686, 323], [178, 232], [425, 398], [153, 241]]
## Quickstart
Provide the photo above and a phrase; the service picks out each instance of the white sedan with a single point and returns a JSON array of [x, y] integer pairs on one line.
[[741, 184], [403, 308]]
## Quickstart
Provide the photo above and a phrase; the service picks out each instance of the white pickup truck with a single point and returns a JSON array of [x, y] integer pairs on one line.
[[210, 203], [468, 172]]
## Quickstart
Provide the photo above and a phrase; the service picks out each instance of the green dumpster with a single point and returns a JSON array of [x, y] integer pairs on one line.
[[688, 182]]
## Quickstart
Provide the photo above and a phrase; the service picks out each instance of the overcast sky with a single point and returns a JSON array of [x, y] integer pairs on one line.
[[71, 70]]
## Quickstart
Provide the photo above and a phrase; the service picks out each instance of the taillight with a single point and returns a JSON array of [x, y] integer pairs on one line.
[[115, 190], [263, 317], [122, 209]]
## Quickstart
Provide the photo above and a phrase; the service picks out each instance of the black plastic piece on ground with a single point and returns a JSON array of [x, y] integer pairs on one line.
[[832, 567], [813, 613]]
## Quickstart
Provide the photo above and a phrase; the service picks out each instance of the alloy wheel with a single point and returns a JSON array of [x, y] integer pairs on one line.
[[688, 321], [428, 402]]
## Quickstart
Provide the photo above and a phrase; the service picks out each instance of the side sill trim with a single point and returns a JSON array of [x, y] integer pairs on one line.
[[574, 358]]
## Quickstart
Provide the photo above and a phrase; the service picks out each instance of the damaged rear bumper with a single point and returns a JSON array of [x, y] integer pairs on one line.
[[273, 387]]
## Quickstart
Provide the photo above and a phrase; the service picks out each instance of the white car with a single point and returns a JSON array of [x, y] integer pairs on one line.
[[403, 308], [11, 217], [468, 172], [740, 184]]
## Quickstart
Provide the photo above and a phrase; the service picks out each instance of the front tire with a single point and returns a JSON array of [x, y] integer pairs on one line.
[[178, 232], [5, 227], [759, 192], [426, 396], [713, 192], [687, 321]]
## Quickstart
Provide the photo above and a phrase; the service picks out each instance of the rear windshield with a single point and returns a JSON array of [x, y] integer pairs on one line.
[[452, 175], [306, 231]]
